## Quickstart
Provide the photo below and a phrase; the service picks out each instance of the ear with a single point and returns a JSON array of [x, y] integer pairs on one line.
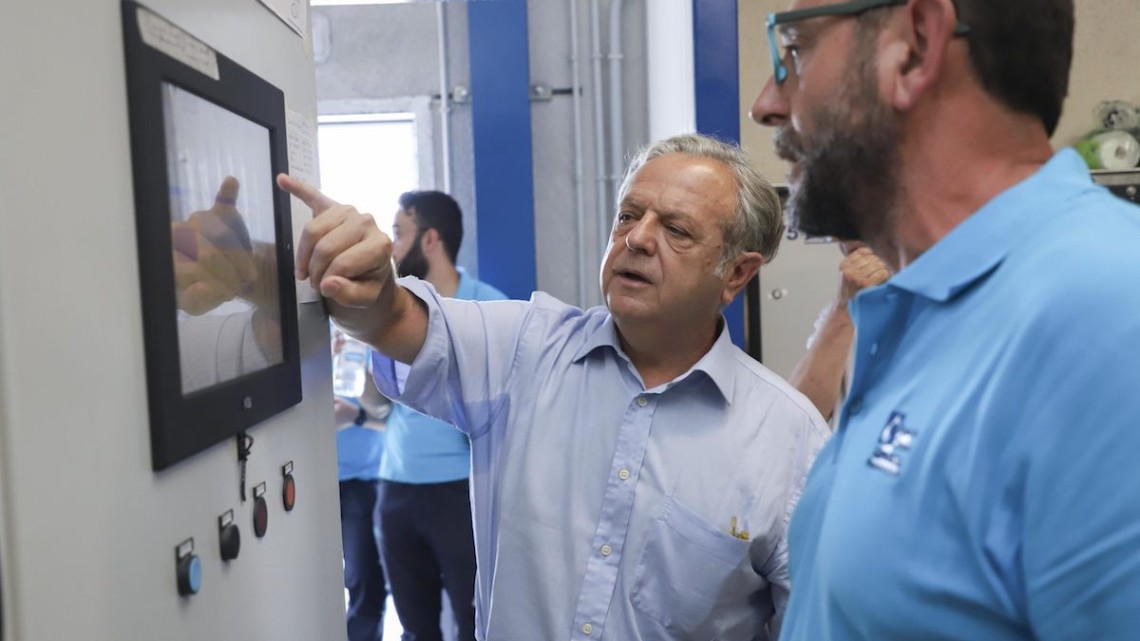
[[915, 53], [739, 272], [429, 239]]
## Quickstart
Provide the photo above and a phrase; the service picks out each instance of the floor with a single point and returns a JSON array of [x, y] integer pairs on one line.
[[392, 627]]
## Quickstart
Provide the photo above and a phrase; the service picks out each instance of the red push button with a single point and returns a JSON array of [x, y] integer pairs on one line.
[[288, 487], [260, 511], [260, 517]]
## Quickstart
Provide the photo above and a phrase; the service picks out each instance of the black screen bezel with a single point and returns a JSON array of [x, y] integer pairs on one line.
[[183, 425]]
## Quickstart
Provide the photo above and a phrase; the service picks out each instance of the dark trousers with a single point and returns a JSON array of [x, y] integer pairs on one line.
[[428, 546], [363, 574]]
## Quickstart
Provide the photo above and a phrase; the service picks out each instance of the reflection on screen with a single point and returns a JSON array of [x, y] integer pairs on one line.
[[223, 234]]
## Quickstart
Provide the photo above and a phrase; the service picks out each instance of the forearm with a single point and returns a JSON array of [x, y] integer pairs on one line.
[[819, 374], [395, 325]]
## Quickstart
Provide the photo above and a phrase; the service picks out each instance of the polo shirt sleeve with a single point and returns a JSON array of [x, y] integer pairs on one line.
[[462, 373], [1078, 461]]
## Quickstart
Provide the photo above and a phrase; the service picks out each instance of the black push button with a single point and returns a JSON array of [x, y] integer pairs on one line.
[[229, 536]]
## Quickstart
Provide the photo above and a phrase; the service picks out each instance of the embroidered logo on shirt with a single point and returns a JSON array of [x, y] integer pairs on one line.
[[894, 440]]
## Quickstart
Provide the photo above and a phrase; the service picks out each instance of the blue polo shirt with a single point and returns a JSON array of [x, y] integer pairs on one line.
[[421, 449], [359, 451], [984, 480]]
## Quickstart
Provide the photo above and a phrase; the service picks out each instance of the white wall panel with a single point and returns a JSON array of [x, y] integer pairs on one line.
[[88, 530]]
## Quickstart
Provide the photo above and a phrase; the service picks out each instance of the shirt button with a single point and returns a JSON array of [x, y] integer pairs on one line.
[[587, 628], [855, 407], [623, 474], [642, 401], [874, 348], [607, 550]]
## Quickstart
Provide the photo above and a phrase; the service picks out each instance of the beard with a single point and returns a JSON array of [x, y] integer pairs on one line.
[[847, 168], [414, 263]]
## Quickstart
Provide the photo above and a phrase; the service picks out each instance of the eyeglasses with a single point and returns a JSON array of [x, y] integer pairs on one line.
[[848, 9]]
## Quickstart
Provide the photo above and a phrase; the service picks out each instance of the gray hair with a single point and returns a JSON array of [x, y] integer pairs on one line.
[[758, 224]]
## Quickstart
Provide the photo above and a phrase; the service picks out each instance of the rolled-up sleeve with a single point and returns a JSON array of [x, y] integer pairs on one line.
[[463, 371]]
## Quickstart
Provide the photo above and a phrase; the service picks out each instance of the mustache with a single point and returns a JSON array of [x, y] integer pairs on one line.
[[788, 144]]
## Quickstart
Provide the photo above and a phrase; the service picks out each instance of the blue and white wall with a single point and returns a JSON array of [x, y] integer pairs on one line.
[[678, 73], [494, 146]]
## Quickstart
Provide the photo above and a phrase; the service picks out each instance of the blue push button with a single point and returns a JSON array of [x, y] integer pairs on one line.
[[189, 575]]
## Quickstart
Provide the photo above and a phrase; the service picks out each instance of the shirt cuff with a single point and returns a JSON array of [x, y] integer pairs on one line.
[[431, 360]]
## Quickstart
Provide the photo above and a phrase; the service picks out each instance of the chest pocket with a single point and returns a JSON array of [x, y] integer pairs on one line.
[[687, 571]]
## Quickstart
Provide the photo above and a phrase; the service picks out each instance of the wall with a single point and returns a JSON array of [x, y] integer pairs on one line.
[[805, 276], [1105, 51], [796, 286], [389, 51], [88, 530], [552, 123], [670, 73]]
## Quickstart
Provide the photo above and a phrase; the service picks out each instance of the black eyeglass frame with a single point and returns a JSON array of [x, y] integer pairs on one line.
[[853, 8]]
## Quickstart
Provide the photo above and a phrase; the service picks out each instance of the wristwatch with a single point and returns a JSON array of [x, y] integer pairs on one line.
[[361, 416]]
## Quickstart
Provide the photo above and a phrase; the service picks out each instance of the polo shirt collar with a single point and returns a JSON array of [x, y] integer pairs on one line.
[[973, 249], [466, 288]]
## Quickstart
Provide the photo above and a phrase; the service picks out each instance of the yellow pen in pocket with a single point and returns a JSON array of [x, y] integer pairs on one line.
[[743, 535]]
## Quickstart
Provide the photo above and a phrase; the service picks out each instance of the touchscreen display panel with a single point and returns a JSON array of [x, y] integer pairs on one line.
[[223, 236]]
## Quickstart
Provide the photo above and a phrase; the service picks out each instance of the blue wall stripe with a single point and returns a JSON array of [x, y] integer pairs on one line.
[[716, 65], [500, 113]]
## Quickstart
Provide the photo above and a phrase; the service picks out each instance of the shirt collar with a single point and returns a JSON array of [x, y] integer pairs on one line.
[[465, 289], [719, 363], [604, 335], [973, 249]]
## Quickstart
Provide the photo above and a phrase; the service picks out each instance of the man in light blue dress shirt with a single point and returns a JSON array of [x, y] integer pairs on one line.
[[633, 472], [982, 482], [427, 537]]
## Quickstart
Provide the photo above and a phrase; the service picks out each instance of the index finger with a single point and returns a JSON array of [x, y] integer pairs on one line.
[[308, 194], [227, 192]]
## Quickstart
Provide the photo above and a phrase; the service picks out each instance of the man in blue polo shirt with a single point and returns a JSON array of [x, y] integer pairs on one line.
[[982, 482], [426, 533], [360, 424]]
